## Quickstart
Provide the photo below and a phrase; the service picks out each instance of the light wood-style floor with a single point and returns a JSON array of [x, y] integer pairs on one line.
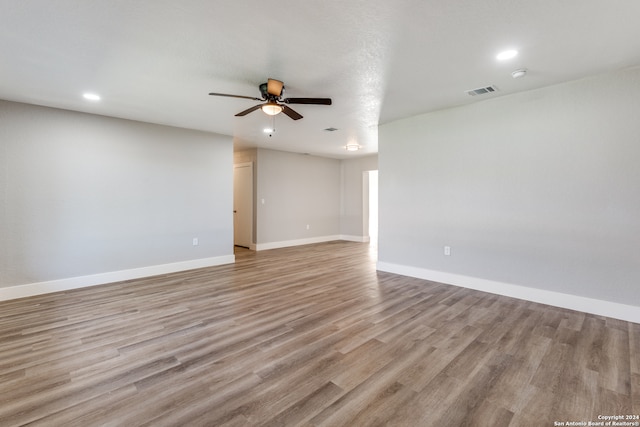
[[308, 336]]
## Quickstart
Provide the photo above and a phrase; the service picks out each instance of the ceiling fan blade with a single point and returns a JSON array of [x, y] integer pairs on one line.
[[317, 101], [274, 87], [248, 110], [291, 113], [235, 96]]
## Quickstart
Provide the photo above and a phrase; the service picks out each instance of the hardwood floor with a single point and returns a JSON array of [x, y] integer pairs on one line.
[[309, 336]]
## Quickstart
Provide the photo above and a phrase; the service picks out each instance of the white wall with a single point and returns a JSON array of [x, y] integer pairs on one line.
[[539, 189], [84, 195], [352, 207], [298, 190]]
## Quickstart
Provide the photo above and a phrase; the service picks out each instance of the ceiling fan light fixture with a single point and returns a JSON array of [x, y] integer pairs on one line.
[[271, 108]]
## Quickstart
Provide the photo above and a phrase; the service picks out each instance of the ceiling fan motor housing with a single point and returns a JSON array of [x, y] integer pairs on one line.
[[264, 91]]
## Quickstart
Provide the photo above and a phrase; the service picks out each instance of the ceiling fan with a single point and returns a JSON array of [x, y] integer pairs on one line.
[[274, 103]]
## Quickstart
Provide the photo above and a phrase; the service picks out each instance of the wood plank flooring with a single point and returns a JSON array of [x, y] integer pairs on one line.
[[307, 336]]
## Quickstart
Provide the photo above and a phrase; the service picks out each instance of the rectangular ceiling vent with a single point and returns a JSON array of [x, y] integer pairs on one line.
[[482, 90]]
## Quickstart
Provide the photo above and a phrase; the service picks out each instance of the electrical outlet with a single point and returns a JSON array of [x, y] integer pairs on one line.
[[308, 226], [195, 241], [447, 250]]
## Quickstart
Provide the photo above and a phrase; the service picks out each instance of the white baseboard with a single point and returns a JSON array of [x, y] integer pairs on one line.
[[308, 241], [573, 302], [39, 288], [359, 239], [297, 242]]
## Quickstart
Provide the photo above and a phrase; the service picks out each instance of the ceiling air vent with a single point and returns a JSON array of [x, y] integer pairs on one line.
[[482, 90]]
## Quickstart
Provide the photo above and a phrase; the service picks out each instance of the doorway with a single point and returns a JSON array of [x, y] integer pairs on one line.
[[373, 208], [370, 207], [243, 204]]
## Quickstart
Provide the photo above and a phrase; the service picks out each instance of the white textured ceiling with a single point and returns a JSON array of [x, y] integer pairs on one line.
[[156, 60]]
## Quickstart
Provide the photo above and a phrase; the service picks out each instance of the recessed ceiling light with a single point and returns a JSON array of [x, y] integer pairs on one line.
[[352, 147], [507, 54], [91, 96], [267, 130]]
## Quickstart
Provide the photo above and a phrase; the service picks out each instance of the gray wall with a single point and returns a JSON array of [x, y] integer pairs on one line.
[[83, 194], [540, 189], [352, 197], [312, 186], [297, 190]]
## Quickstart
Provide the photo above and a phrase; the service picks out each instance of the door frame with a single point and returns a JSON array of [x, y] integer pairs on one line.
[[251, 191]]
